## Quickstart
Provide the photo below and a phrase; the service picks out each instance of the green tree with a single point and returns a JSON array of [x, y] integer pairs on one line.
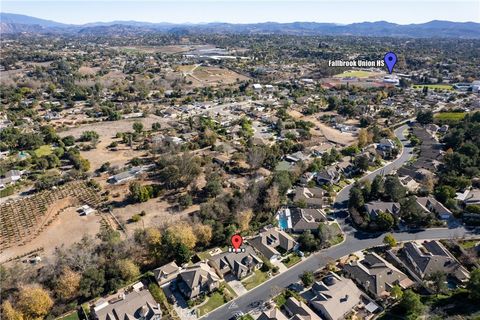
[[362, 162], [356, 199], [396, 292], [385, 221], [390, 240], [439, 281], [425, 117], [411, 304], [137, 127], [308, 242], [394, 188], [307, 278], [473, 285], [92, 282]]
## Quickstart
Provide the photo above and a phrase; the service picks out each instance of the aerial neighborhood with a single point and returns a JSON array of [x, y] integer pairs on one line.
[[230, 172]]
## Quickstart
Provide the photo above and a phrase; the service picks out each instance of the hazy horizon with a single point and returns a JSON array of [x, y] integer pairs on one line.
[[246, 11]]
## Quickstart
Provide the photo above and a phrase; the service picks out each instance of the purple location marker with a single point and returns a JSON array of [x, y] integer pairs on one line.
[[390, 59]]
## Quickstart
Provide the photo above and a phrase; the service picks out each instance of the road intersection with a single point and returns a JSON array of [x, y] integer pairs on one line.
[[354, 241]]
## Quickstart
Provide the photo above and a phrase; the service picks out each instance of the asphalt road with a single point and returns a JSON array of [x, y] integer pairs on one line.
[[354, 241]]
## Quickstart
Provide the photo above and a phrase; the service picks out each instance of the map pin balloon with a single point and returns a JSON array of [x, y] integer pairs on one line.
[[390, 60], [236, 241]]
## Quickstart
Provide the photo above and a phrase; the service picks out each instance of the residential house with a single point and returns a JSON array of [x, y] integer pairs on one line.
[[386, 147], [376, 275], [311, 197], [298, 220], [430, 257], [431, 205], [329, 175], [138, 304], [306, 178], [409, 183], [166, 273], [469, 197], [299, 310], [10, 177], [272, 314], [335, 297], [197, 279], [269, 241], [239, 264], [373, 208]]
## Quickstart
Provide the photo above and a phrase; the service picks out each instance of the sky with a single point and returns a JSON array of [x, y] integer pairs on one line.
[[247, 11]]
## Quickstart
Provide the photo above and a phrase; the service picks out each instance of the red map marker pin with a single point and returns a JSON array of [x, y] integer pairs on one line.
[[236, 241]]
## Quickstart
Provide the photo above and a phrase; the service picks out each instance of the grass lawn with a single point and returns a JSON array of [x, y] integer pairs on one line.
[[255, 279], [356, 74], [434, 86], [453, 116], [44, 150], [71, 316], [291, 260], [215, 301], [469, 244], [204, 255]]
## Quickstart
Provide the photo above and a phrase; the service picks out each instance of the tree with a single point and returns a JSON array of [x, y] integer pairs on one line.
[[307, 241], [390, 240], [243, 219], [394, 188], [156, 126], [67, 285], [376, 188], [68, 141], [411, 304], [89, 136], [9, 313], [283, 181], [396, 292], [473, 285], [137, 127], [356, 199], [203, 233], [425, 117], [255, 157], [182, 232], [439, 281], [214, 185], [385, 220], [34, 302], [129, 271], [185, 200], [307, 278], [92, 282], [362, 162], [364, 138]]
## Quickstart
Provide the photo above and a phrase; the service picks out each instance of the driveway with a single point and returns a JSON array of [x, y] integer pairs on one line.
[[236, 285], [354, 241]]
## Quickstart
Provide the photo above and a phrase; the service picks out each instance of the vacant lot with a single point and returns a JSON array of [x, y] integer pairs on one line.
[[69, 227], [107, 131], [157, 214]]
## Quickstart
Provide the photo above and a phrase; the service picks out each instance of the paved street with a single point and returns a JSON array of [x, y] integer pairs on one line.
[[355, 241]]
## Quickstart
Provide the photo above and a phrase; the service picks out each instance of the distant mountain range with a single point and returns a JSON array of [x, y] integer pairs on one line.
[[16, 23]]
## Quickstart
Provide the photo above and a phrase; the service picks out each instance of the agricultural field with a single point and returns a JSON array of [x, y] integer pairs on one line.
[[48, 217]]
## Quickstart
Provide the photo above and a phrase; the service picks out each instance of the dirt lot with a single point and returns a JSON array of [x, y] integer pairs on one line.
[[158, 214], [107, 132], [330, 135], [209, 76], [69, 227]]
